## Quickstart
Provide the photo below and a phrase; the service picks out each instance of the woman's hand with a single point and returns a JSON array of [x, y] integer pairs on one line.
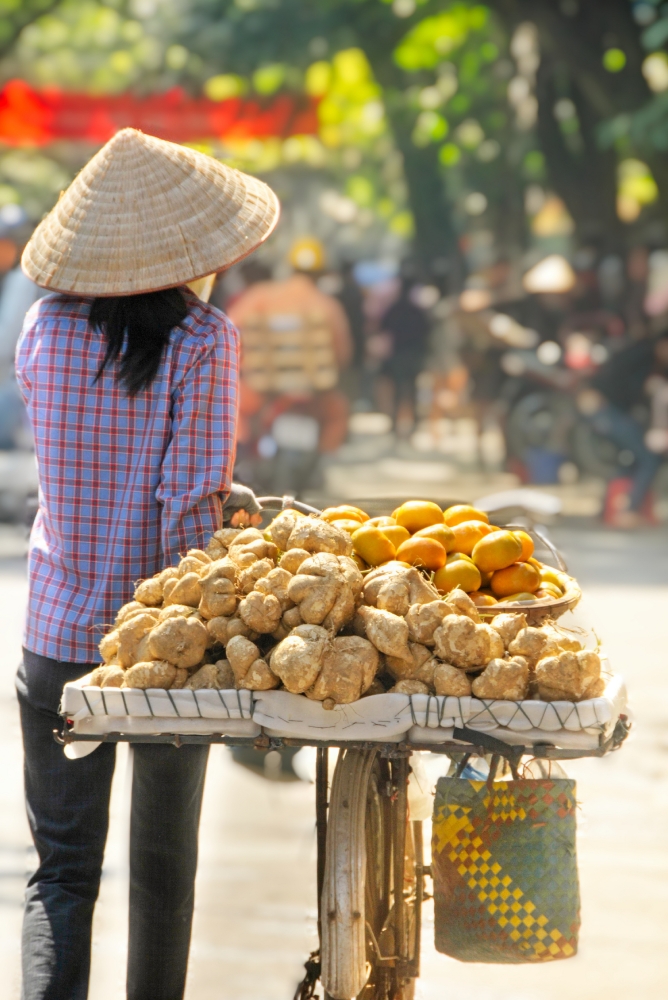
[[241, 508], [242, 519]]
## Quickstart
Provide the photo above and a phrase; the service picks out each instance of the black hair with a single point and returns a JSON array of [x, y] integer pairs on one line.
[[143, 324]]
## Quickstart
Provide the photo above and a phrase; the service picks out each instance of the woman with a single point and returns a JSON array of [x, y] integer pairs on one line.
[[130, 381]]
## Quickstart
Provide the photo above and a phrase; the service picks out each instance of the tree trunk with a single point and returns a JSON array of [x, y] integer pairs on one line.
[[576, 44], [435, 241], [584, 176], [435, 236]]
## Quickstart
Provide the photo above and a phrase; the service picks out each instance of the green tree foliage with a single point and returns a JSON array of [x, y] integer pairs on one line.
[[439, 117]]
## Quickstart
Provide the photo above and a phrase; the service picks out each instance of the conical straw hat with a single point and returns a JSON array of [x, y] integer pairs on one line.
[[146, 214]]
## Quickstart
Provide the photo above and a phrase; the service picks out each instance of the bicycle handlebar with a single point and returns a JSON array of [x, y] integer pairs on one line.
[[282, 503]]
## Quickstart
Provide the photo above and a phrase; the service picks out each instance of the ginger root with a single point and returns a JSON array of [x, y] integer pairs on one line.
[[534, 644], [181, 641], [187, 590], [107, 676], [292, 559], [218, 590], [450, 681], [314, 535], [507, 680], [397, 589], [508, 626], [419, 667], [191, 564], [298, 659], [388, 632], [461, 642], [463, 605], [149, 592], [324, 590], [130, 634], [282, 527], [248, 578], [409, 686], [128, 610], [215, 549], [261, 612], [348, 669], [217, 675], [568, 676], [276, 582], [221, 630], [151, 674], [424, 619], [108, 645]]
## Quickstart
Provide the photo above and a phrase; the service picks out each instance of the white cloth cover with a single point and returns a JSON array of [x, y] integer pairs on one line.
[[383, 717], [81, 700]]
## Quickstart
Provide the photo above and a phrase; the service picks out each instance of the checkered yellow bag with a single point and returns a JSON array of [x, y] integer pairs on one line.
[[505, 870]]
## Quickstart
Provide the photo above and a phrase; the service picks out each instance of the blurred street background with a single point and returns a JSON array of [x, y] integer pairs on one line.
[[467, 294], [468, 289]]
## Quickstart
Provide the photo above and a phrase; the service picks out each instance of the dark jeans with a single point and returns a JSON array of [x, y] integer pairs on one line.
[[626, 433], [68, 811]]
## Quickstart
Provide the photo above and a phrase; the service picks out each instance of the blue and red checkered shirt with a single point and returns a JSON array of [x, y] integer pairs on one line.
[[127, 484]]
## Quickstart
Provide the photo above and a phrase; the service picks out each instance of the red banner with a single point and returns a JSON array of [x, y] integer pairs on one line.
[[36, 118]]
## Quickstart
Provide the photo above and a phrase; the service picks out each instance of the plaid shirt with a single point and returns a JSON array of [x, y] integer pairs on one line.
[[127, 484]]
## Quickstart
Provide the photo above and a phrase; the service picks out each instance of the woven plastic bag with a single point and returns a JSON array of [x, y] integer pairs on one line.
[[505, 870]]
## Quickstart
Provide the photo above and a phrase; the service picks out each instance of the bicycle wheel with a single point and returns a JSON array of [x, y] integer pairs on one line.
[[369, 946]]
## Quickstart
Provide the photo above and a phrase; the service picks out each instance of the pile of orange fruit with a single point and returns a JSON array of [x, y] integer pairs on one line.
[[457, 545]]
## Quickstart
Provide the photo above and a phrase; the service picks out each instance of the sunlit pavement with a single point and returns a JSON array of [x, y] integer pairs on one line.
[[255, 917]]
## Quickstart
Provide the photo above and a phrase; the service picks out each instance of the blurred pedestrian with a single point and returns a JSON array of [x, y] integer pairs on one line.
[[405, 330], [132, 397], [620, 388], [295, 342]]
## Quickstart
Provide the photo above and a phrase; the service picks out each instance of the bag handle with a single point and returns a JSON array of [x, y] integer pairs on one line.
[[496, 747]]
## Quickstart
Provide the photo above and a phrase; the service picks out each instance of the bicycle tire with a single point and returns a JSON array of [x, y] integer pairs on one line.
[[358, 896]]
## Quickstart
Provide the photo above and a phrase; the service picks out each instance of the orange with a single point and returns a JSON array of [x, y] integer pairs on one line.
[[453, 556], [395, 533], [526, 541], [344, 511], [416, 514], [482, 599], [457, 573], [372, 545], [549, 575], [425, 552], [463, 512], [441, 533], [467, 535], [347, 524], [496, 550], [523, 596], [379, 522], [513, 579]]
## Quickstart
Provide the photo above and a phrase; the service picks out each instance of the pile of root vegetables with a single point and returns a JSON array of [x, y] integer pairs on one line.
[[290, 608]]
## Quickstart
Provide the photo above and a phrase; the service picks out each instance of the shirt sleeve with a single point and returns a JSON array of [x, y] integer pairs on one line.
[[197, 467], [24, 350]]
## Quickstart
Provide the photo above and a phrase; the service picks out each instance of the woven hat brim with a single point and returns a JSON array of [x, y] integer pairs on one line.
[[145, 214]]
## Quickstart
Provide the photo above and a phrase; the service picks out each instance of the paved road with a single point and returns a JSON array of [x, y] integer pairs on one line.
[[255, 895]]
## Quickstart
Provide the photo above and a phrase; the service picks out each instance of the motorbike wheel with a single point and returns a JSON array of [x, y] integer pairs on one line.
[[592, 453]]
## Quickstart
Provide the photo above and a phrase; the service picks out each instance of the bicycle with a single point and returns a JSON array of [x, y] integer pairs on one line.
[[371, 873]]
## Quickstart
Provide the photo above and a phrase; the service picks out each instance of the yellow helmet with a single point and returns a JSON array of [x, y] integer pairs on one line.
[[307, 254]]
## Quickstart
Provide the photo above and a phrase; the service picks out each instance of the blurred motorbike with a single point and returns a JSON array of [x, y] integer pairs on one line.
[[549, 437], [281, 453]]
